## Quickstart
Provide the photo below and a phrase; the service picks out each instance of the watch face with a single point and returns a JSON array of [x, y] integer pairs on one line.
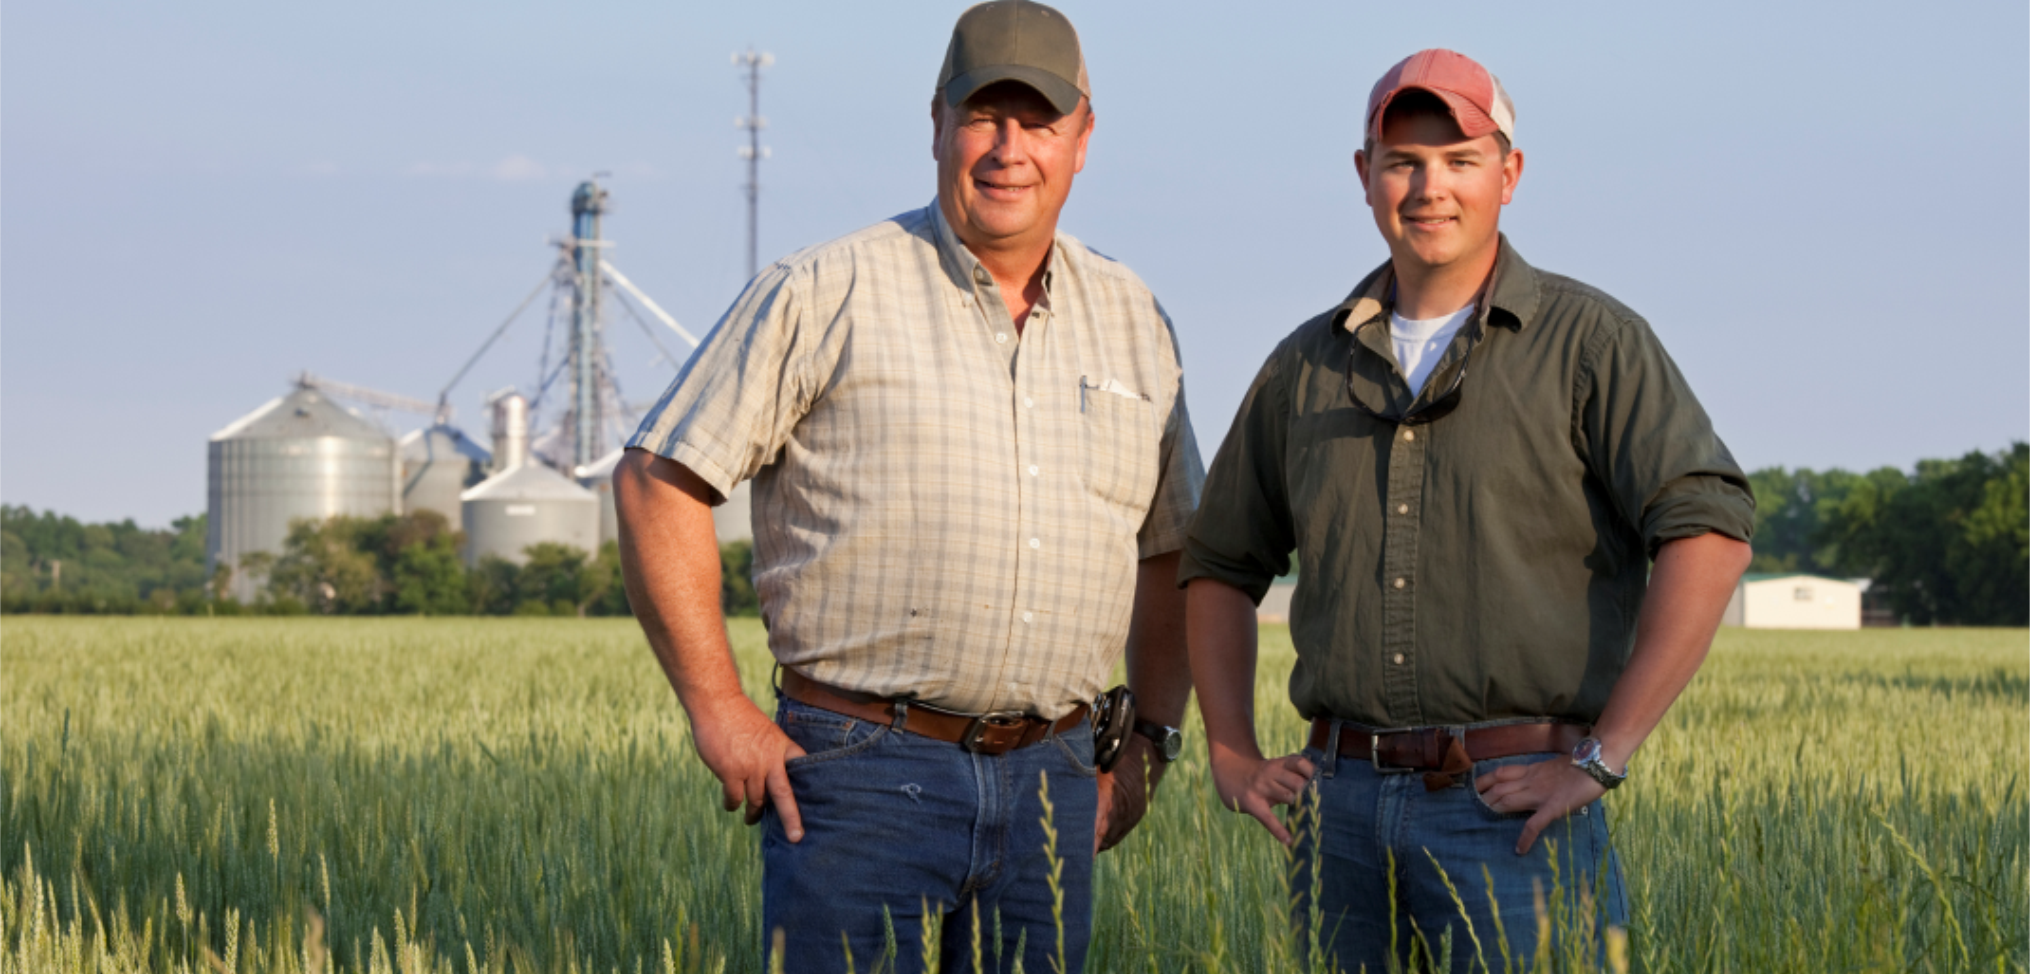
[[1172, 744], [1587, 752]]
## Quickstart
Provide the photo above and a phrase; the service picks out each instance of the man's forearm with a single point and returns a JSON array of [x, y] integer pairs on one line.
[[1220, 628], [670, 562], [1159, 667], [1688, 591]]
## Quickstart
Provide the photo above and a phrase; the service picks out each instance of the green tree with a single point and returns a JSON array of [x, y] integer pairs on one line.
[[554, 577], [1946, 544], [736, 579], [493, 586], [604, 592], [430, 579], [323, 566], [1790, 512]]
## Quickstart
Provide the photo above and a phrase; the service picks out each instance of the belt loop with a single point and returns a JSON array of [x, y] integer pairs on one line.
[[901, 713], [1331, 765], [775, 680]]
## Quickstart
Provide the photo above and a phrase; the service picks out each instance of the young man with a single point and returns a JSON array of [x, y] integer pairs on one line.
[[1475, 462], [972, 468]]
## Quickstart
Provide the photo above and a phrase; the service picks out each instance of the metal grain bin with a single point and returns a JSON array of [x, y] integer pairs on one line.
[[731, 521], [526, 502], [734, 520], [300, 456], [439, 464], [597, 477]]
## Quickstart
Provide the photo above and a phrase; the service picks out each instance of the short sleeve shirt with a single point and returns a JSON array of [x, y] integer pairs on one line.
[[945, 507]]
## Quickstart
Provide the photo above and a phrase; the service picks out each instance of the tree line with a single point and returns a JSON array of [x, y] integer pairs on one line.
[[407, 564], [1946, 543]]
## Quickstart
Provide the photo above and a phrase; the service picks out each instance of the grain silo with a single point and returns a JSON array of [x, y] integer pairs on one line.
[[300, 456], [524, 502], [597, 477], [438, 464], [731, 521]]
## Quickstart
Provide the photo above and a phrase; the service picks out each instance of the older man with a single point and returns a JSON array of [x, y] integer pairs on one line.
[[1476, 463], [972, 469]]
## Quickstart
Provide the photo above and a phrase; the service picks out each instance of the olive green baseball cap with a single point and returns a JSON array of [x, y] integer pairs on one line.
[[1015, 40]]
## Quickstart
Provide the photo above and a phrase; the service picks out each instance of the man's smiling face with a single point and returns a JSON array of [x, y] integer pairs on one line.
[[1437, 195], [1005, 162]]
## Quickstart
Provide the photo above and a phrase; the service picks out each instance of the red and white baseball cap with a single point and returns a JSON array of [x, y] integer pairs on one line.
[[1474, 94]]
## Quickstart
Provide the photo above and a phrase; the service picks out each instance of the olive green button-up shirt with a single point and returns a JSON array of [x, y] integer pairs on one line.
[[1490, 563]]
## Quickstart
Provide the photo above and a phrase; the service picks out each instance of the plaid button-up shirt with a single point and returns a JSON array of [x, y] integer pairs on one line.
[[944, 508]]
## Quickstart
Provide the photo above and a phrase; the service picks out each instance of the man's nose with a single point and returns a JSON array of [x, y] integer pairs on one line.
[[1430, 183], [1011, 143]]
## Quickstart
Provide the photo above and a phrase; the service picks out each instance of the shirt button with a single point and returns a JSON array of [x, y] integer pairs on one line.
[[1028, 617], [1409, 435], [1397, 659], [1000, 338], [1032, 470], [1038, 543], [1399, 582], [1026, 401], [1402, 508]]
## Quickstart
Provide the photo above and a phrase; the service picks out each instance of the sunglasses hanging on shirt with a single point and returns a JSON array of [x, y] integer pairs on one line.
[[1430, 412]]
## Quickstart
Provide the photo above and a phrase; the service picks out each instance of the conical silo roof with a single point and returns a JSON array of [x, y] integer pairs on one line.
[[527, 482], [443, 442], [302, 414]]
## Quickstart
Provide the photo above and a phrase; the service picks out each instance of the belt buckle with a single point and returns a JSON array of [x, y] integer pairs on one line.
[[1374, 754], [977, 730]]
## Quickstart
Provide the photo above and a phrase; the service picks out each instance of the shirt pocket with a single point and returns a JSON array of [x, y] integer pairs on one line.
[[1117, 449]]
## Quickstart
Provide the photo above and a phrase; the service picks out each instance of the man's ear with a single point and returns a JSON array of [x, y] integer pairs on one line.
[[937, 124], [1360, 166], [1511, 174], [1092, 121]]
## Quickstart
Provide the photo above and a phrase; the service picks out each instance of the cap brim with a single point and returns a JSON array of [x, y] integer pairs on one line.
[[1062, 94]]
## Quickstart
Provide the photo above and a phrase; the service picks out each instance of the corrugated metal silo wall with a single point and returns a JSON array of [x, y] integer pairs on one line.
[[257, 486], [504, 527], [734, 520], [434, 485]]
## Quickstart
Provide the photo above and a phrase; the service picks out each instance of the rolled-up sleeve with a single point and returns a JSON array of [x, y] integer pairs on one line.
[[1242, 534], [1645, 436], [732, 407]]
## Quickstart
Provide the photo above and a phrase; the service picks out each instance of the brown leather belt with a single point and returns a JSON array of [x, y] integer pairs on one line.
[[1441, 753], [992, 733]]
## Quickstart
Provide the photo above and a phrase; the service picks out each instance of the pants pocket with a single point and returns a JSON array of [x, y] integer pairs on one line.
[[825, 736], [1481, 768], [1077, 749]]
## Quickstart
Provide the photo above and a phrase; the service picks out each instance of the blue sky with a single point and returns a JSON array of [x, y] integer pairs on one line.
[[1824, 211]]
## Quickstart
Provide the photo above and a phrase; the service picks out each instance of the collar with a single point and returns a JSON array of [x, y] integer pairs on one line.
[[1512, 294], [966, 271]]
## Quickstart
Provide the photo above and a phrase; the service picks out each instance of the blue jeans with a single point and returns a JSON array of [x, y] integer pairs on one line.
[[904, 833], [1376, 831]]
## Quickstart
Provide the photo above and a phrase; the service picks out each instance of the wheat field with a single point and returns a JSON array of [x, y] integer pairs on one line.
[[518, 795]]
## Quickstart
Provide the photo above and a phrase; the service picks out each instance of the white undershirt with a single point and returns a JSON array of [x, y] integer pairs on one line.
[[1420, 344]]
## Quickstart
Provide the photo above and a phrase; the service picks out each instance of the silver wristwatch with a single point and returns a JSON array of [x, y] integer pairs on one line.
[[1586, 757]]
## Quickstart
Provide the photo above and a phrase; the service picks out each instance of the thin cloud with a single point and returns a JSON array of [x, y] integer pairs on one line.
[[518, 168]]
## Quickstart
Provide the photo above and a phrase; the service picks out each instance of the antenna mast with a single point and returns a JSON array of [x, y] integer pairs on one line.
[[751, 64]]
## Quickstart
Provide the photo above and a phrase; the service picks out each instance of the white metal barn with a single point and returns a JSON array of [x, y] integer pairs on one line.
[[1794, 602]]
